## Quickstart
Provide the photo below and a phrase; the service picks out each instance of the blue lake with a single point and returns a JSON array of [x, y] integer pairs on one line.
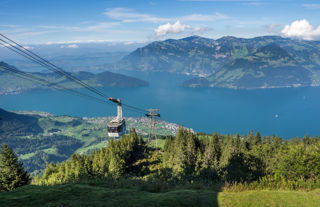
[[287, 112]]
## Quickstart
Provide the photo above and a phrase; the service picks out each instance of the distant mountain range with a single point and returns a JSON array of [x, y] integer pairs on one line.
[[10, 84], [230, 62]]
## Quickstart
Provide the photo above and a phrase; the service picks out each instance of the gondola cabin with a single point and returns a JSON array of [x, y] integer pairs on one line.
[[117, 126], [116, 129]]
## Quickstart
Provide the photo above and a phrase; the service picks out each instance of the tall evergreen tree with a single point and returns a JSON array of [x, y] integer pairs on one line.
[[237, 143], [216, 145], [257, 139], [12, 173], [306, 139]]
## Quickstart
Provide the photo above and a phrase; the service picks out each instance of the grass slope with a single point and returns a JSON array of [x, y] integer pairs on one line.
[[69, 195], [266, 198]]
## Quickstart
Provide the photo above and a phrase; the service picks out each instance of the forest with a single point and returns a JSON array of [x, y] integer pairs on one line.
[[233, 162]]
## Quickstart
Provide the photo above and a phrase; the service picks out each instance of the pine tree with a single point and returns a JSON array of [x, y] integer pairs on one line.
[[257, 139], [306, 139], [237, 142], [12, 173], [216, 145]]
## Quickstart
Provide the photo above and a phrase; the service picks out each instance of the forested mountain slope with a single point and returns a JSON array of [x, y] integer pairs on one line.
[[261, 62]]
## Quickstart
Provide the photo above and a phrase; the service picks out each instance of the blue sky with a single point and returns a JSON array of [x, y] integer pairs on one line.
[[73, 21]]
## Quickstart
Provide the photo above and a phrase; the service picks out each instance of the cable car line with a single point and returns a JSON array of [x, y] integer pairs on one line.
[[43, 80], [31, 77], [47, 83], [135, 108], [116, 127], [23, 77], [35, 58], [56, 69], [60, 71]]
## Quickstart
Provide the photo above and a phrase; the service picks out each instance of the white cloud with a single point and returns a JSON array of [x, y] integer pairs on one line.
[[8, 25], [98, 27], [15, 45], [203, 17], [129, 15], [254, 3], [6, 45], [113, 28], [301, 29], [70, 46], [168, 28], [129, 43], [27, 32], [77, 41], [272, 28], [28, 47], [311, 6], [201, 30]]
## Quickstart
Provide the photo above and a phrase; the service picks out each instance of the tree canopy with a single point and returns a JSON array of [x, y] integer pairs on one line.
[[12, 173], [191, 157]]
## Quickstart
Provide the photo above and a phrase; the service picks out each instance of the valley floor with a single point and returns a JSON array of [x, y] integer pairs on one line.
[[68, 195]]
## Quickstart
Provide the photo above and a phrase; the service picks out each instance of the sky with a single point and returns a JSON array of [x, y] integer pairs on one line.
[[134, 21]]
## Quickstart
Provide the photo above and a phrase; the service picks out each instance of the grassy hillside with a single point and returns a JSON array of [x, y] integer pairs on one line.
[[69, 195]]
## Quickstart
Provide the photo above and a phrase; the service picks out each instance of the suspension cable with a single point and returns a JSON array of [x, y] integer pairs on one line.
[[32, 78], [35, 58]]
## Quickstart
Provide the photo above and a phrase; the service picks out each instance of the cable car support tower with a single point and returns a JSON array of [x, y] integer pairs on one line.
[[116, 127], [153, 114]]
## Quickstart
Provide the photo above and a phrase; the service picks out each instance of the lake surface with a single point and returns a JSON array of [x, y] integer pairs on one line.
[[287, 112]]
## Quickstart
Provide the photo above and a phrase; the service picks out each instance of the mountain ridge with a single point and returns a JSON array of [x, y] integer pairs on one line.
[[287, 62], [11, 84]]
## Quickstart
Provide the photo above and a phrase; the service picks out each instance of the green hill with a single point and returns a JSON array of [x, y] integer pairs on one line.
[[12, 84]]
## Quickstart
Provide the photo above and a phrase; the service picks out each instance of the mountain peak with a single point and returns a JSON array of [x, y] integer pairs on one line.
[[228, 38], [191, 38]]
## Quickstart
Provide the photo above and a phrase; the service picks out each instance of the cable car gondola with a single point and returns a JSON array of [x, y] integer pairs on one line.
[[117, 126]]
